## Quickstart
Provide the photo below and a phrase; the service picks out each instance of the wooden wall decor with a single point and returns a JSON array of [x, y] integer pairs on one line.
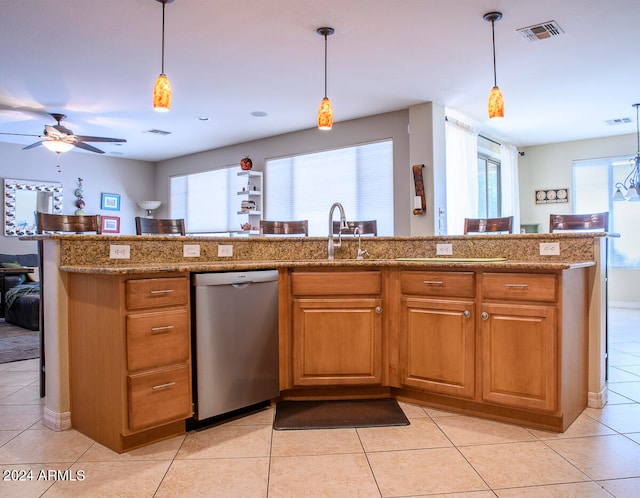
[[420, 200]]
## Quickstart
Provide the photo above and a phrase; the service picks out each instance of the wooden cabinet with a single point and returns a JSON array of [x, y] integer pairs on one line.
[[130, 357], [336, 328], [534, 342], [519, 356], [437, 332]]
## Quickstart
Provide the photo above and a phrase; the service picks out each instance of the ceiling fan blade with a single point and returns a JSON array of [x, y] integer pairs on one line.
[[33, 145], [20, 134], [85, 138], [63, 129], [90, 148]]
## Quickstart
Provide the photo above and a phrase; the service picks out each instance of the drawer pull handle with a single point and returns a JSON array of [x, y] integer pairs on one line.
[[163, 291], [466, 313], [517, 286], [164, 327], [433, 282], [162, 386]]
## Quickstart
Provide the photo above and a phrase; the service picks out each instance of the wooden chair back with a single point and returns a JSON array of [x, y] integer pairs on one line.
[[485, 225], [298, 227], [366, 227], [594, 221], [68, 223], [173, 226]]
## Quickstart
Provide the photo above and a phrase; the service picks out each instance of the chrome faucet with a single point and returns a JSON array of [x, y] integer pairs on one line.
[[343, 226], [361, 254]]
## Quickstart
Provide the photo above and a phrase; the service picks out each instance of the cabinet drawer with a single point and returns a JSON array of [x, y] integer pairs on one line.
[[152, 292], [520, 286], [336, 283], [159, 397], [458, 284], [157, 339]]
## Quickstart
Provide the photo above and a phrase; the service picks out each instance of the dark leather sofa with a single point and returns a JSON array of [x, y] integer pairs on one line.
[[25, 310]]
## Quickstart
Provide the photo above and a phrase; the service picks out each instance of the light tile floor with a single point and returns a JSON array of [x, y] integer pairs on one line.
[[438, 454]]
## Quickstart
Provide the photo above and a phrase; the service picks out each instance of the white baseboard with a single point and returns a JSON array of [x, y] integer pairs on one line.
[[597, 400], [56, 421]]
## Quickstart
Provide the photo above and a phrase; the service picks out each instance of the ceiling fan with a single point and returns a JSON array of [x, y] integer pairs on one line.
[[59, 138]]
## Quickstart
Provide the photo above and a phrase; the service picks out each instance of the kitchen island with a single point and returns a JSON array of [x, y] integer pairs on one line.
[[448, 332]]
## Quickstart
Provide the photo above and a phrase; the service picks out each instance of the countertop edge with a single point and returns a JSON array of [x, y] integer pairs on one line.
[[197, 267]]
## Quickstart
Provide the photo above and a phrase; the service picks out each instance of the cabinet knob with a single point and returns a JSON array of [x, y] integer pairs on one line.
[[466, 313], [378, 309], [485, 315]]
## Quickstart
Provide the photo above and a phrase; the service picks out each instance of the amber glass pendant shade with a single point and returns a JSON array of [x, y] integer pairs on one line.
[[496, 104], [325, 115], [162, 94]]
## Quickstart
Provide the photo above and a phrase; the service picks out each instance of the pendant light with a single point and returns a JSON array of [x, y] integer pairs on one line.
[[162, 88], [496, 102], [325, 111]]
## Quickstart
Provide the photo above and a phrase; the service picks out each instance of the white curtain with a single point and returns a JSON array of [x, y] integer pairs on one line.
[[462, 175], [510, 187]]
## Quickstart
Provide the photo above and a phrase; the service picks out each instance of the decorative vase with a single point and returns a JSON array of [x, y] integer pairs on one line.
[[246, 163]]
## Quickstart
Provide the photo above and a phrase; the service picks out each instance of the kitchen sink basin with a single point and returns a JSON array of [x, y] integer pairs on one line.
[[453, 259]]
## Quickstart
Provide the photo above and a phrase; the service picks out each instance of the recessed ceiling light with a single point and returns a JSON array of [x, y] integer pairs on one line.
[[202, 118], [259, 114]]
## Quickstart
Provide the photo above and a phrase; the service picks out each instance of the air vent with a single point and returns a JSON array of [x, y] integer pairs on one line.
[[158, 132], [618, 121], [541, 31]]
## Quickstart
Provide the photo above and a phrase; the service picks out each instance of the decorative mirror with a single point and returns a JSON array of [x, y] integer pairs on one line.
[[22, 198]]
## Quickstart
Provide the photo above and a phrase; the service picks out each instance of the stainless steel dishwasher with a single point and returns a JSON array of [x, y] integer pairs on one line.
[[236, 340]]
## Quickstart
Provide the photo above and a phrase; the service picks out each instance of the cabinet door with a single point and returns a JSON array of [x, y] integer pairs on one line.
[[437, 341], [519, 356], [337, 341]]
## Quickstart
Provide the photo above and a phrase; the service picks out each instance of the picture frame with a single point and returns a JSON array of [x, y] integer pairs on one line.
[[110, 202], [110, 224], [552, 196]]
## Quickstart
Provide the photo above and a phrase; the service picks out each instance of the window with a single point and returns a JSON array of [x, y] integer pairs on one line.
[[593, 186], [488, 187], [207, 201], [489, 201], [305, 186]]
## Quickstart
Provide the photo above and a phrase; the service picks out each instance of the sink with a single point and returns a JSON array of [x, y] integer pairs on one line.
[[458, 260]]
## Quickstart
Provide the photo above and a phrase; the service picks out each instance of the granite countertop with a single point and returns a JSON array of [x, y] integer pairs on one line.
[[155, 254]]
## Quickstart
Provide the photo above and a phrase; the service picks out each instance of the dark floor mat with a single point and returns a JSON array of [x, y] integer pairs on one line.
[[337, 414]]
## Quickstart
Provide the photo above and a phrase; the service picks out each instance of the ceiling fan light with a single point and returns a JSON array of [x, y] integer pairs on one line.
[[162, 94], [325, 115], [496, 104], [57, 146]]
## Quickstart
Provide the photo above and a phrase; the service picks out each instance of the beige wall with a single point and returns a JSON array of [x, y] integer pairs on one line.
[[550, 166], [390, 125], [133, 180]]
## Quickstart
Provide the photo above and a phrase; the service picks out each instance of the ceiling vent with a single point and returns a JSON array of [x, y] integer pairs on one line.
[[618, 121], [541, 31], [158, 132]]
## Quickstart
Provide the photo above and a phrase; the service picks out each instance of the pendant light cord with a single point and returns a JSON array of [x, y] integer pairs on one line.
[[163, 6], [325, 66], [493, 38]]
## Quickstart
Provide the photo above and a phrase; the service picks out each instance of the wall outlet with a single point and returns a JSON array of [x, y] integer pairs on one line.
[[549, 249], [225, 251], [119, 251], [444, 249], [191, 250]]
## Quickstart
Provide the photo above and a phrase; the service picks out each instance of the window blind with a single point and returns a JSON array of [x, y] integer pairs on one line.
[[305, 186]]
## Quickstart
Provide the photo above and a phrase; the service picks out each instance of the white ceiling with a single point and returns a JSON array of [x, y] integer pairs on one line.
[[96, 61]]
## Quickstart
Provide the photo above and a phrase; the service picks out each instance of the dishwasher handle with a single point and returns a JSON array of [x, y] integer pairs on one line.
[[241, 285]]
